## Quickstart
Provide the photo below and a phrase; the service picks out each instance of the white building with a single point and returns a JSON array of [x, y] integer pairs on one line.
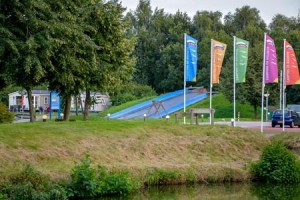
[[18, 101]]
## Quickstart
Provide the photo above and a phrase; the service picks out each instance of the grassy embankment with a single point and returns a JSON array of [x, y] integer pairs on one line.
[[153, 151], [290, 140]]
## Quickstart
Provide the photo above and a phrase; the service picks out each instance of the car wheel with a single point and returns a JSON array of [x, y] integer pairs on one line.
[[280, 125], [298, 126], [292, 124], [273, 125]]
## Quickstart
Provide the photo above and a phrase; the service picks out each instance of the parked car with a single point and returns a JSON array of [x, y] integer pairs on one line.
[[291, 118]]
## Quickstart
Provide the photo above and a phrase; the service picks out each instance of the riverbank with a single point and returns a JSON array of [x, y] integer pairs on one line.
[[183, 152]]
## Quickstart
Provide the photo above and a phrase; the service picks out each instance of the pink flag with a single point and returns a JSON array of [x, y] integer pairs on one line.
[[271, 66]]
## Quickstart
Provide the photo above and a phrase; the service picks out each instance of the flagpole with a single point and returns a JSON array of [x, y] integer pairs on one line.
[[211, 78], [280, 88], [263, 87], [283, 86], [234, 75], [184, 78]]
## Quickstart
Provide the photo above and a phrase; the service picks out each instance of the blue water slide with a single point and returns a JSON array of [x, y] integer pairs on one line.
[[145, 104], [180, 105]]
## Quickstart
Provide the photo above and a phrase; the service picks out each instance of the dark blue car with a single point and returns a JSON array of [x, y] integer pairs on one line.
[[291, 118]]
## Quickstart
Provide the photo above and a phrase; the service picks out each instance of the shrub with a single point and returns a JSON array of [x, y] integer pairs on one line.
[[115, 183], [5, 115], [130, 92], [31, 184], [277, 164], [84, 182], [88, 183]]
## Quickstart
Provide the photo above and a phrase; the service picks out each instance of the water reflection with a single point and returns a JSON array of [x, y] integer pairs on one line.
[[276, 192], [216, 192]]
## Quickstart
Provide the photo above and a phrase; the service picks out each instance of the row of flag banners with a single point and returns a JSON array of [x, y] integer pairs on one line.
[[241, 59]]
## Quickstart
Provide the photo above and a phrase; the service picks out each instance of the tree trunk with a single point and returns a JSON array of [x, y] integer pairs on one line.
[[30, 103], [67, 108], [255, 111], [76, 104], [87, 104], [81, 106]]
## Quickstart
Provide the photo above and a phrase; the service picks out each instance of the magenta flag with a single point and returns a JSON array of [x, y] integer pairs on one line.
[[271, 66]]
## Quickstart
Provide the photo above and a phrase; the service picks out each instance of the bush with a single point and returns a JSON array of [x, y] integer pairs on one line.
[[5, 116], [130, 92], [89, 183], [115, 183], [84, 182], [31, 184], [277, 164]]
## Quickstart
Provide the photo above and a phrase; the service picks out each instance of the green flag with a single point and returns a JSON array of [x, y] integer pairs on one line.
[[241, 59]]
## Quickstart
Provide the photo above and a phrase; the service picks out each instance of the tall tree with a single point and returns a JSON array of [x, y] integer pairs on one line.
[[24, 43], [73, 52], [114, 62]]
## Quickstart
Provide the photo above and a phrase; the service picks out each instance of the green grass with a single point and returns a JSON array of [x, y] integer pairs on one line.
[[134, 145], [224, 108]]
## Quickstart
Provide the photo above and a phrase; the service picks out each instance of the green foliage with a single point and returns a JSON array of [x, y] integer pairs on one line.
[[84, 182], [163, 177], [5, 115], [116, 183], [277, 164], [130, 92], [87, 182], [31, 184]]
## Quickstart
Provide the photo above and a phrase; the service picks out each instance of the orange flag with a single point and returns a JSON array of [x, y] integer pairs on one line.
[[218, 52], [291, 66]]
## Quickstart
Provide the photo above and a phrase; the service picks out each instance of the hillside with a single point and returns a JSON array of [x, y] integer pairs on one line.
[[210, 153], [224, 108]]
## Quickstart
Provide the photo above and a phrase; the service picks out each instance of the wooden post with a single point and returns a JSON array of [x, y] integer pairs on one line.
[[176, 117]]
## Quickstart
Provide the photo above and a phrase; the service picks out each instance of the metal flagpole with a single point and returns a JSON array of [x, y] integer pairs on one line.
[[280, 85], [263, 87], [283, 86], [184, 77], [234, 75], [211, 77]]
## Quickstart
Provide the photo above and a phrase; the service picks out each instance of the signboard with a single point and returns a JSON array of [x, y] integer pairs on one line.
[[54, 101]]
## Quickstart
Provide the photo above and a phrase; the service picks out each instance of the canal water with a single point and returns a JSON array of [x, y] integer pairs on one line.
[[216, 192]]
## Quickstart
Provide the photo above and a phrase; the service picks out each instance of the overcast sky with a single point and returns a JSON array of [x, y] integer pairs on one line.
[[267, 8]]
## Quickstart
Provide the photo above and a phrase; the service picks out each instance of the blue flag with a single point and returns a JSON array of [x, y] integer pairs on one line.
[[191, 58]]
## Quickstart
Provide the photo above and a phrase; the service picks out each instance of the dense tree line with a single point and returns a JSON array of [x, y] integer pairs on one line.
[[87, 45], [70, 45], [159, 48]]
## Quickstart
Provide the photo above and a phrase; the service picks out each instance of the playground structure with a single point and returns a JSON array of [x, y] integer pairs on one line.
[[163, 105]]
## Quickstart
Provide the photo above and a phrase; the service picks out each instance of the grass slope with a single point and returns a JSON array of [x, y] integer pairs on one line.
[[224, 108], [207, 153]]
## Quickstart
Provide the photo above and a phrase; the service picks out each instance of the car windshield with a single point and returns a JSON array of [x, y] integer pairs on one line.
[[279, 112]]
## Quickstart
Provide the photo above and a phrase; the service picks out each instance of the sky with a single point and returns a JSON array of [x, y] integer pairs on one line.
[[267, 8]]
